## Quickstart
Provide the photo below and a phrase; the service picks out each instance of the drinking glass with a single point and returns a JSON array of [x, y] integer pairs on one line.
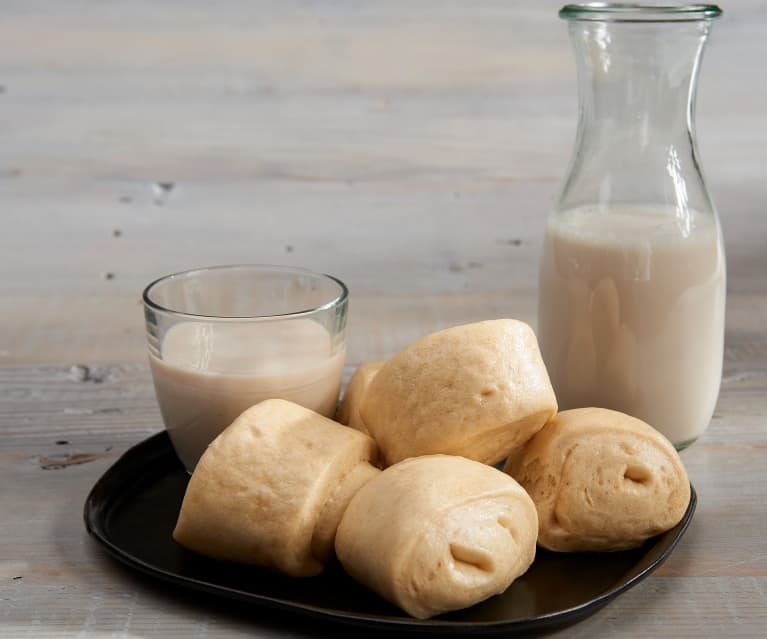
[[224, 338]]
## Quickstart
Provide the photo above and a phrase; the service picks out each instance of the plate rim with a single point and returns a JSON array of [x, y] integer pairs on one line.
[[158, 446]]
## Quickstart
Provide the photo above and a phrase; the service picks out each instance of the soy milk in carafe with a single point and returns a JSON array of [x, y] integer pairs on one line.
[[632, 316]]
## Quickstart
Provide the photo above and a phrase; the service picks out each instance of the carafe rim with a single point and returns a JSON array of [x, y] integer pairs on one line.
[[636, 12]]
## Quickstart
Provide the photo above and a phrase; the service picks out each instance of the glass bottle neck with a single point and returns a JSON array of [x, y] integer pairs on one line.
[[637, 74], [636, 132]]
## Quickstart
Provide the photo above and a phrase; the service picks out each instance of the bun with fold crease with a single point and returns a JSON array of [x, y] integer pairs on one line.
[[438, 533], [601, 480], [270, 490]]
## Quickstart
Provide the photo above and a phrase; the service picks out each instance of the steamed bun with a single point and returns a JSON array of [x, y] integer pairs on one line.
[[438, 533], [270, 490], [601, 480], [478, 390]]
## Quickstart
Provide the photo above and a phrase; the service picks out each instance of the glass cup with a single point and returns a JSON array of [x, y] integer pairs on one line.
[[224, 338]]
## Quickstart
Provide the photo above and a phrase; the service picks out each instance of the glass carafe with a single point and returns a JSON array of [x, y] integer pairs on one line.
[[632, 278]]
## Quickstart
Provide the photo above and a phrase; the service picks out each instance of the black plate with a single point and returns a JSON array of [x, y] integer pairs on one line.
[[132, 509]]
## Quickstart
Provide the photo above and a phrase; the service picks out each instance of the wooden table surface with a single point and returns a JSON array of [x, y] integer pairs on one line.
[[410, 148]]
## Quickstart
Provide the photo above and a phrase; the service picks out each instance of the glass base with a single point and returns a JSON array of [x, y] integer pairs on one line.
[[685, 444]]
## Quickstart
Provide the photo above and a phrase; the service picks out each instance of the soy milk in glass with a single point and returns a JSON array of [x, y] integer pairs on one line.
[[223, 339]]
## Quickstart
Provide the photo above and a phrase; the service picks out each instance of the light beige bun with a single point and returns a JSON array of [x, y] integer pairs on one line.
[[349, 411], [271, 489], [601, 480], [478, 390], [438, 533]]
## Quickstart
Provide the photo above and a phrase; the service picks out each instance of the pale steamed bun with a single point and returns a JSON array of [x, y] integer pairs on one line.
[[271, 489], [601, 480], [349, 411], [478, 390], [438, 533]]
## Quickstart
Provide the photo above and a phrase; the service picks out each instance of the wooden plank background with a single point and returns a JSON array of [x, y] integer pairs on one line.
[[410, 148]]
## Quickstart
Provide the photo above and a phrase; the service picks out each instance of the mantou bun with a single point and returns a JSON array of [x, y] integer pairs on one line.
[[478, 390], [349, 411], [437, 533], [601, 480], [270, 490]]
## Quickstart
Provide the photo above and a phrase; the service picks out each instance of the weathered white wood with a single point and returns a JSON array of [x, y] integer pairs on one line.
[[410, 148]]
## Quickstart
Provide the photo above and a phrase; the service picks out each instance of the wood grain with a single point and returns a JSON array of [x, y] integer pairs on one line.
[[410, 148]]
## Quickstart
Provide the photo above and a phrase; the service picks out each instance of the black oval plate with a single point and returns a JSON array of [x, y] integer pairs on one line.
[[133, 508]]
